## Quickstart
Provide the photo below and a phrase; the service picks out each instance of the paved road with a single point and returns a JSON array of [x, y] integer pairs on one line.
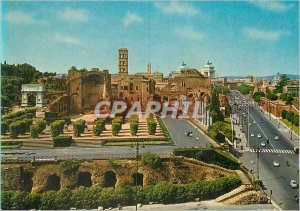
[[178, 128], [274, 178]]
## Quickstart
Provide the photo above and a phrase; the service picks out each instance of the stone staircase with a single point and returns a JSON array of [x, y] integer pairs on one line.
[[37, 144], [233, 193], [246, 186]]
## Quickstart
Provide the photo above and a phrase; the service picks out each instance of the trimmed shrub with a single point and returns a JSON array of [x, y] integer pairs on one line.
[[4, 128], [134, 127], [57, 128], [209, 155], [34, 131], [98, 127], [151, 160], [78, 127], [22, 127], [62, 141], [290, 116], [116, 127], [28, 123], [14, 129], [151, 127], [41, 125]]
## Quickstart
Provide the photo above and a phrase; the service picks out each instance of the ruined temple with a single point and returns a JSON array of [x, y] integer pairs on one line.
[[87, 88]]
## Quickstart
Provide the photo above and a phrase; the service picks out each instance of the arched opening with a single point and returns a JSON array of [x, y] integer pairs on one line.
[[84, 179], [27, 181], [31, 99], [53, 182], [110, 179], [138, 179]]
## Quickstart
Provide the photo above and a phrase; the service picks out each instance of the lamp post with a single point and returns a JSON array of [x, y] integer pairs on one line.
[[136, 175], [248, 140], [258, 162]]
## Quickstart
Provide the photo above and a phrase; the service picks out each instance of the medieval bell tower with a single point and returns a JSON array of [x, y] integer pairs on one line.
[[123, 61]]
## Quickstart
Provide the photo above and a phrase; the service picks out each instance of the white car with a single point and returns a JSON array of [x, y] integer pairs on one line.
[[276, 137], [258, 136], [276, 164], [263, 144], [252, 135], [293, 184]]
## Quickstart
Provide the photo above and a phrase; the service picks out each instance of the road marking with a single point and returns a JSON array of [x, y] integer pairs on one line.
[[280, 151]]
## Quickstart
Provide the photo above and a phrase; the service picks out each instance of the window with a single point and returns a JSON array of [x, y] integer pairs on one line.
[[136, 88]]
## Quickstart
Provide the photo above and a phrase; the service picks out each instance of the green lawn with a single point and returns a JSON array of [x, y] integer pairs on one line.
[[134, 143], [289, 124]]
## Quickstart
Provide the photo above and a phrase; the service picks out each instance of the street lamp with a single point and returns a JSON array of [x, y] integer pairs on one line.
[[136, 175], [258, 162]]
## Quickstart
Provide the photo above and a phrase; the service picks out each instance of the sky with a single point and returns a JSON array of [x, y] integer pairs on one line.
[[239, 38]]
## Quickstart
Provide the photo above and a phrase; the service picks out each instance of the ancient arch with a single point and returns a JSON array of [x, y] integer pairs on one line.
[[110, 179], [84, 179], [138, 179], [53, 182], [36, 89]]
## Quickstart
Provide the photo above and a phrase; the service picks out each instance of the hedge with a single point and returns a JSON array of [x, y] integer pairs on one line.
[[4, 128], [14, 129], [115, 128], [93, 197], [78, 127], [209, 155], [57, 128], [34, 131], [41, 125], [62, 141], [98, 127], [151, 127], [151, 160]]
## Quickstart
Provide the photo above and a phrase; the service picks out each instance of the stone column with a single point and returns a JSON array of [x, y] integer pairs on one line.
[[39, 100], [24, 99]]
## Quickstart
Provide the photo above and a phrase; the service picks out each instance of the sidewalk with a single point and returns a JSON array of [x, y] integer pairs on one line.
[[240, 145], [282, 127]]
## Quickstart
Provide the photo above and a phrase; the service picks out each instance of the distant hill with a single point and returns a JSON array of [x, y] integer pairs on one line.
[[291, 76]]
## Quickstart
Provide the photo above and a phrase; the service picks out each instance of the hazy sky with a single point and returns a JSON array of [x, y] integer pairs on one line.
[[240, 38]]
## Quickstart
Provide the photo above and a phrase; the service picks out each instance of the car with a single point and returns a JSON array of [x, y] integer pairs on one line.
[[258, 135], [254, 122], [276, 164], [261, 121], [252, 135], [293, 184], [263, 144], [249, 124], [276, 138]]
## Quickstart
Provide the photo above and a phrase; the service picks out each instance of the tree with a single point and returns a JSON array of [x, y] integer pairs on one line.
[[283, 80], [290, 116], [221, 90], [295, 120], [245, 89], [283, 114], [151, 160], [272, 96], [289, 100], [284, 96], [257, 96]]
